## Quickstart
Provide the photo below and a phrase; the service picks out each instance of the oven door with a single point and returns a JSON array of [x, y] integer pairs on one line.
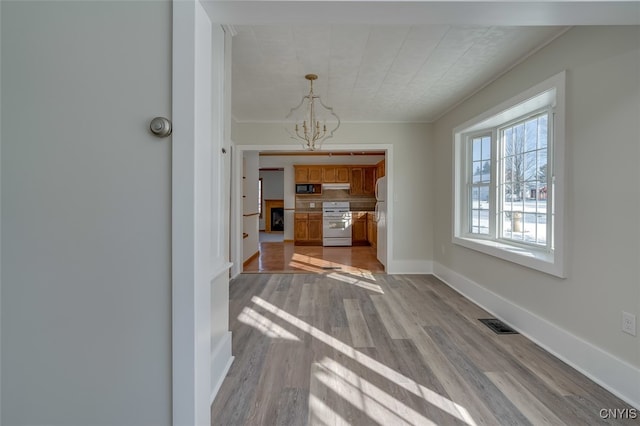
[[337, 227]]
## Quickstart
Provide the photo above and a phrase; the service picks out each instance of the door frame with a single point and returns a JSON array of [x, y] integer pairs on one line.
[[193, 60], [236, 192]]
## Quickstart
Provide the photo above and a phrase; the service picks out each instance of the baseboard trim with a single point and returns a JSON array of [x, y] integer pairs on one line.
[[250, 258], [410, 267], [617, 376], [220, 356]]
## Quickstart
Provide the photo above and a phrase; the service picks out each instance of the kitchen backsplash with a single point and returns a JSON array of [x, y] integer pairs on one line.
[[357, 202]]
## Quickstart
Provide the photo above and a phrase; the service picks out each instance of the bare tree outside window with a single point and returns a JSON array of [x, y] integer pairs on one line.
[[524, 180]]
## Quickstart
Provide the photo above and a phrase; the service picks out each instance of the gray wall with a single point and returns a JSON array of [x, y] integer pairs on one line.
[[413, 178], [602, 194], [86, 308]]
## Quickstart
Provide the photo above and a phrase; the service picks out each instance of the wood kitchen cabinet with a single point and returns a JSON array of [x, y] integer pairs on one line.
[[300, 227], [357, 175], [363, 180], [359, 228], [308, 174], [307, 228], [329, 174], [335, 174], [342, 174], [372, 229], [380, 169], [315, 228], [369, 181]]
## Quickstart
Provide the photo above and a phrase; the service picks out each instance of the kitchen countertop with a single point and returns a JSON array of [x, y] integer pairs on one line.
[[308, 210], [320, 211]]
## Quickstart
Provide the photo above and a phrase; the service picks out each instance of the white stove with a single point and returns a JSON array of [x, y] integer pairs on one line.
[[336, 223]]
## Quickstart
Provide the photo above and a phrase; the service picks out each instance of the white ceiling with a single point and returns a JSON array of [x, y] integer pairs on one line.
[[406, 61], [372, 73]]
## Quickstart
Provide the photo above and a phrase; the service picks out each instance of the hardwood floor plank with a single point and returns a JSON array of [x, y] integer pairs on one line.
[[318, 349], [306, 300], [278, 257], [282, 358], [238, 393], [472, 406], [394, 329], [320, 407], [293, 406], [542, 365], [337, 315], [360, 335], [292, 301], [528, 404], [478, 382]]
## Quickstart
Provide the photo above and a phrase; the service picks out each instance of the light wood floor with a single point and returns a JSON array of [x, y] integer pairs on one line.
[[328, 349], [285, 257]]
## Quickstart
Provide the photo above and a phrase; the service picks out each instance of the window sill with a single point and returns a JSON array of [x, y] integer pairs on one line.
[[549, 263]]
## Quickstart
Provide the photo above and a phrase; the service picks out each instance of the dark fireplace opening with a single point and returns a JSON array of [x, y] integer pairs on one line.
[[277, 218]]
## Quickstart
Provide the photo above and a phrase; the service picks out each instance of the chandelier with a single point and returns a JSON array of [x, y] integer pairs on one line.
[[311, 121]]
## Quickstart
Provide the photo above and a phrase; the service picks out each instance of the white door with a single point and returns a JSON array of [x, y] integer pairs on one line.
[[86, 213]]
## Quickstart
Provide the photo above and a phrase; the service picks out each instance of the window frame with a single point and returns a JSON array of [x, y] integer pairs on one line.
[[548, 95], [549, 110], [466, 200]]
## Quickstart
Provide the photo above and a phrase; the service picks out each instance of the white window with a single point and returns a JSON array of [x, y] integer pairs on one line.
[[509, 161]]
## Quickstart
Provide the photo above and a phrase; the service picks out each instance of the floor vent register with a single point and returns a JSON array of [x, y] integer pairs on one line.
[[497, 326]]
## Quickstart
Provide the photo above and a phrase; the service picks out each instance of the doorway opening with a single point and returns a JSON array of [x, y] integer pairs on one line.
[[277, 248]]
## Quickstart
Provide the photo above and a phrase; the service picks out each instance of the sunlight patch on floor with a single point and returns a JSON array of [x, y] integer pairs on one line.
[[320, 413], [366, 396], [322, 265], [357, 282], [305, 267], [401, 380], [265, 325]]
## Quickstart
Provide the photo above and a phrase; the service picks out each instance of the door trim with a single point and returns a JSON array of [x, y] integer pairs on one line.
[[236, 192]]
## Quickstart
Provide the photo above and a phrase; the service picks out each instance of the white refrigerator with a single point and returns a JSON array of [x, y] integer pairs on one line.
[[381, 219]]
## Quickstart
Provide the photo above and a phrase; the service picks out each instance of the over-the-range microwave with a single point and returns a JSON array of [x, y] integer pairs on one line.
[[305, 188]]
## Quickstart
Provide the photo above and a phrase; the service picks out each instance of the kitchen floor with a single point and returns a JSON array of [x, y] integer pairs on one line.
[[285, 257]]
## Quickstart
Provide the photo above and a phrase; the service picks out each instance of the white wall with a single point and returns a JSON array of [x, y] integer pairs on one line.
[[272, 189], [412, 249], [603, 202], [86, 203]]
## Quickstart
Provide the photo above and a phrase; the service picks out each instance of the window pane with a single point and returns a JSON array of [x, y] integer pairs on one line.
[[476, 146], [481, 171], [479, 214], [486, 148], [523, 188], [542, 131], [529, 166], [477, 171]]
